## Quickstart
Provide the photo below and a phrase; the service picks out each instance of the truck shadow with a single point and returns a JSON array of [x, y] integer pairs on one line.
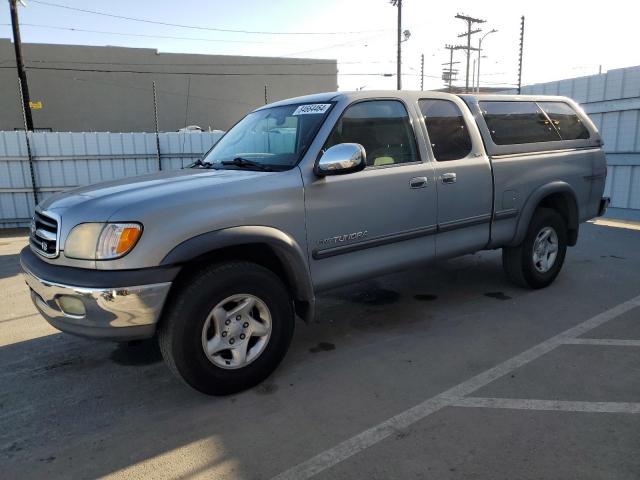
[[63, 398], [9, 266], [143, 352], [63, 395]]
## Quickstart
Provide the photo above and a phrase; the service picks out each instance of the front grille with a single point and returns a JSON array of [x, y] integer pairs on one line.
[[44, 235]]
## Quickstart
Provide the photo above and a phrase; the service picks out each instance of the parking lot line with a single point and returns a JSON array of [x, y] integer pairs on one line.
[[613, 342], [551, 405], [376, 434]]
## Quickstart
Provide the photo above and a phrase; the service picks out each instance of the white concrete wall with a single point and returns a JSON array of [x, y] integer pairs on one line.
[[612, 100], [64, 160]]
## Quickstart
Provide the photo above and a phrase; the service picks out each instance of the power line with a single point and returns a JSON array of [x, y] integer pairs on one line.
[[137, 64], [341, 44], [283, 64], [182, 94], [166, 92], [362, 39], [200, 39], [280, 64], [169, 37], [175, 64], [327, 47], [194, 27], [215, 74], [221, 74]]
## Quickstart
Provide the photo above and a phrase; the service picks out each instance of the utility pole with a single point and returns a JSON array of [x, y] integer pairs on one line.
[[521, 48], [22, 76], [470, 21], [398, 5], [448, 74], [27, 142], [473, 76], [451, 48], [155, 121], [422, 72]]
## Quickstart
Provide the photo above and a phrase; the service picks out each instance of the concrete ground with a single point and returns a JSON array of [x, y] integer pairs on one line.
[[443, 372]]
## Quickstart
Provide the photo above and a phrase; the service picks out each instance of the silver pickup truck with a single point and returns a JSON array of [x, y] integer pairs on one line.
[[304, 195]]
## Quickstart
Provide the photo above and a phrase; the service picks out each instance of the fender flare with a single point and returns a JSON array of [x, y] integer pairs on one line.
[[534, 200], [291, 255]]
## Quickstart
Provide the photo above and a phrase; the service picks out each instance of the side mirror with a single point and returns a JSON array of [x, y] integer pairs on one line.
[[340, 159]]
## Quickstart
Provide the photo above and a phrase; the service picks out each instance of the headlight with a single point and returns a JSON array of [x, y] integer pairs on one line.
[[101, 241], [81, 242], [117, 239]]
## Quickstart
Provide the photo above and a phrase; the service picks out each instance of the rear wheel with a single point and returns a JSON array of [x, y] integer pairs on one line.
[[228, 328], [536, 262]]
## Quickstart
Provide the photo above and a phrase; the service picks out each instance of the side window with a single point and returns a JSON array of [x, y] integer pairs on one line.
[[382, 127], [517, 122], [447, 130], [566, 120]]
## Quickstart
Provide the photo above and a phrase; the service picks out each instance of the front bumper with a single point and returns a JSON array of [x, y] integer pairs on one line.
[[110, 313]]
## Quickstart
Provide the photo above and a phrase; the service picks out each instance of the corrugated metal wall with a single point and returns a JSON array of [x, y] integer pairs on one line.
[[612, 100], [64, 160]]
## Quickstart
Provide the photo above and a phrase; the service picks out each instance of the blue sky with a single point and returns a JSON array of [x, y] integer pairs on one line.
[[563, 39]]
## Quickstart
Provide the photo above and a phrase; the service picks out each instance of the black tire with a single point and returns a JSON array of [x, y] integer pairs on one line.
[[518, 261], [180, 331]]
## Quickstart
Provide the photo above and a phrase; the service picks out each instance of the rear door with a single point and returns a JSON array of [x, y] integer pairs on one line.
[[463, 177]]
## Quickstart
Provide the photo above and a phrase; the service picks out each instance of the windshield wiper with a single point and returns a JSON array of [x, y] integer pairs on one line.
[[244, 162]]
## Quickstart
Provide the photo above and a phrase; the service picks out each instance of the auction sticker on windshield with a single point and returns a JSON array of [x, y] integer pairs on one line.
[[312, 108]]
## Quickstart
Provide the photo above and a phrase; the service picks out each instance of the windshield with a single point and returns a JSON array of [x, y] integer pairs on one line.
[[275, 137]]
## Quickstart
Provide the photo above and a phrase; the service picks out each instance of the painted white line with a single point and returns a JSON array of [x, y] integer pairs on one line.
[[614, 342], [610, 222], [552, 405], [373, 435]]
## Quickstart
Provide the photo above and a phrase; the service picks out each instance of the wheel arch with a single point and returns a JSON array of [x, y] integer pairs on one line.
[[558, 196], [266, 246]]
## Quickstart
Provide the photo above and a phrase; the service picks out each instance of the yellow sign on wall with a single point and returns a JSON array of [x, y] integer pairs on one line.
[[35, 105]]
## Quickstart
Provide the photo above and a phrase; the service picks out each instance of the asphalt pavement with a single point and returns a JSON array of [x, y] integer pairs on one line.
[[444, 372]]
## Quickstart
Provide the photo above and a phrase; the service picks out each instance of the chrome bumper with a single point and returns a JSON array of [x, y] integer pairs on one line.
[[123, 313]]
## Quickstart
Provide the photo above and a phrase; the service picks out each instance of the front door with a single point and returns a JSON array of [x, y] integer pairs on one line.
[[381, 218]]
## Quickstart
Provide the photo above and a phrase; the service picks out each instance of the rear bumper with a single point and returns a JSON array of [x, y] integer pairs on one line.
[[604, 204], [119, 313]]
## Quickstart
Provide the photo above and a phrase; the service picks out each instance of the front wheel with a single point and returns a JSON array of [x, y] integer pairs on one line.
[[228, 328], [536, 262]]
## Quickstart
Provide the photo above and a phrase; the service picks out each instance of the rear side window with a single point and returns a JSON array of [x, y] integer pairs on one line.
[[382, 127], [517, 122], [447, 130], [566, 120]]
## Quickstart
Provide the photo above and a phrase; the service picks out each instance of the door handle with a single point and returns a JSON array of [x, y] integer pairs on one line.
[[448, 178], [418, 182]]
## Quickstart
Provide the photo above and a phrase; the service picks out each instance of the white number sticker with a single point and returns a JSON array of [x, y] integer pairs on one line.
[[313, 108]]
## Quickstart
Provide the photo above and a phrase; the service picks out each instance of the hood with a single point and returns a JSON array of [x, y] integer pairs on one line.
[[97, 203], [175, 206]]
